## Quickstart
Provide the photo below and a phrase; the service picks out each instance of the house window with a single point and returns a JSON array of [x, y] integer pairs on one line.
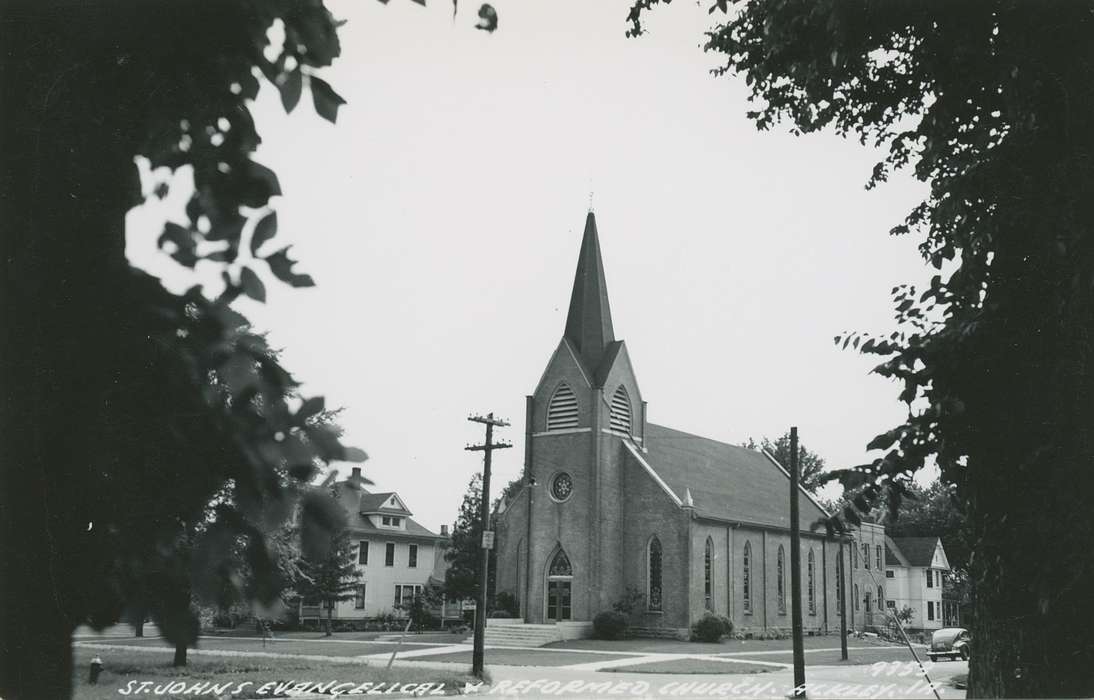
[[866, 601], [746, 577], [889, 573], [405, 595], [930, 609], [856, 596], [362, 552], [839, 584], [877, 554], [389, 554], [619, 412], [780, 574], [412, 560], [930, 579], [562, 409], [359, 597], [812, 589], [708, 574], [854, 558], [865, 556], [891, 604], [880, 596], [653, 596], [391, 521], [938, 578]]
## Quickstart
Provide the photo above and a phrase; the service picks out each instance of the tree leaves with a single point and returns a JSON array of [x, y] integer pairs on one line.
[[265, 229], [290, 89], [488, 18], [252, 285], [325, 99], [281, 266]]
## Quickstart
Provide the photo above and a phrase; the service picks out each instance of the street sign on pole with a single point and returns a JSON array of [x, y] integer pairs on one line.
[[488, 539]]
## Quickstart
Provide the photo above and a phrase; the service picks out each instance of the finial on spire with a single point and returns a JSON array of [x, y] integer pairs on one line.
[[590, 201], [689, 502]]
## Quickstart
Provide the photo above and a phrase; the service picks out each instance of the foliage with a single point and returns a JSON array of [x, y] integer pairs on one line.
[[329, 572], [991, 103], [710, 628], [464, 554], [810, 464], [631, 601], [610, 624], [508, 603], [420, 608]]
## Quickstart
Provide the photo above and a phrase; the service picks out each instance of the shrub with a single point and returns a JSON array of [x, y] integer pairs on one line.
[[501, 615], [708, 628], [508, 603], [609, 624], [727, 625], [632, 600]]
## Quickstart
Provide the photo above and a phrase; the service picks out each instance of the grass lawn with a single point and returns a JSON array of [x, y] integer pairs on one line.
[[125, 670], [672, 646], [692, 666], [329, 647], [522, 657]]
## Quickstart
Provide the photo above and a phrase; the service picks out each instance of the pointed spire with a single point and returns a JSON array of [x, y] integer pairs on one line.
[[589, 322], [689, 502]]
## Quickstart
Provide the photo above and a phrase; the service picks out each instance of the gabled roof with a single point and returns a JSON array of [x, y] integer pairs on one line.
[[589, 320], [726, 481], [352, 496], [384, 503], [918, 551], [893, 555]]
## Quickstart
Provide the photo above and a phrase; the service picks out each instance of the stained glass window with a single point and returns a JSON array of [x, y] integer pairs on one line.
[[654, 593]]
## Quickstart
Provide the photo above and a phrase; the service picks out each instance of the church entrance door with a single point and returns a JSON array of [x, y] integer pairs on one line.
[[558, 600], [560, 576]]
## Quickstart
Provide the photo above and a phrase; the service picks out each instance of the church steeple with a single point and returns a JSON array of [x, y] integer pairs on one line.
[[589, 322]]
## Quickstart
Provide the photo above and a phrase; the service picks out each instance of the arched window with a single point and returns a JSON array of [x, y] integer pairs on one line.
[[880, 599], [653, 568], [562, 409], [812, 586], [856, 596], [708, 575], [854, 556], [560, 574], [780, 573], [560, 565], [620, 411], [746, 577]]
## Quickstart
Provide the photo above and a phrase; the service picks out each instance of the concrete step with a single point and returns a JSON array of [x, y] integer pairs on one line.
[[519, 635]]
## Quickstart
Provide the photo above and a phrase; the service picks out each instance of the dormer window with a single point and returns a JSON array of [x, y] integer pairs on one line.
[[620, 411], [562, 409], [391, 521]]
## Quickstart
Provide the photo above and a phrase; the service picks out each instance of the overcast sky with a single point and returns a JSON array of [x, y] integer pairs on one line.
[[442, 215]]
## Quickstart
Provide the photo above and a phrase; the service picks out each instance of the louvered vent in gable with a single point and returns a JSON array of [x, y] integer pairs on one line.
[[562, 410], [621, 411]]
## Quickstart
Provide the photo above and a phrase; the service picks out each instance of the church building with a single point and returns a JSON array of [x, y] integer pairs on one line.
[[611, 501]]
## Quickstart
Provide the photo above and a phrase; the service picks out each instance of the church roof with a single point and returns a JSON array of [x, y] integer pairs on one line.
[[589, 320], [918, 551], [726, 481]]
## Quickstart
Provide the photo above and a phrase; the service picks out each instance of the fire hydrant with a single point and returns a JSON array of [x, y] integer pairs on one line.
[[96, 669]]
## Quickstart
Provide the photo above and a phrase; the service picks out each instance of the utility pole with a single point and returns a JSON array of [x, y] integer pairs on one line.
[[796, 569], [842, 600], [487, 534]]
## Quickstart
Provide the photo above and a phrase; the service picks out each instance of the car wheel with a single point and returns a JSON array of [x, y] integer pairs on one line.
[[932, 657], [964, 654]]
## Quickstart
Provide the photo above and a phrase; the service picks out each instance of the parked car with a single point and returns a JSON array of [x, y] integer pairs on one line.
[[952, 642]]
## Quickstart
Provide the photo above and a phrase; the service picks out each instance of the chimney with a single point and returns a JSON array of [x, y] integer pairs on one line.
[[356, 473], [444, 531]]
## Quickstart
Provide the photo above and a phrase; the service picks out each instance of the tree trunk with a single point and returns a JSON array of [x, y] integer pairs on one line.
[[65, 185], [180, 655], [330, 622], [1030, 388], [138, 627]]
